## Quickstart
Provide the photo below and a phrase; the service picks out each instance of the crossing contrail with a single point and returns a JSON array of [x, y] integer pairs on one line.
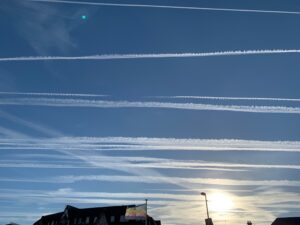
[[152, 55], [170, 7]]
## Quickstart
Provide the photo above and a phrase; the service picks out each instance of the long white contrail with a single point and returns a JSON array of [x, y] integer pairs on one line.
[[150, 56], [169, 7], [68, 102], [228, 98], [54, 94], [99, 144]]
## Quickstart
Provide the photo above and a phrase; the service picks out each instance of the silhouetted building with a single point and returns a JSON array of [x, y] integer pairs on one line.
[[114, 215], [287, 221]]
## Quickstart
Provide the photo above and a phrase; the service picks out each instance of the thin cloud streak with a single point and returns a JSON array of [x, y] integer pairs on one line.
[[11, 133], [193, 182], [181, 180], [51, 94], [69, 192], [140, 162], [113, 165], [67, 102], [169, 7], [221, 98], [151, 56], [188, 198], [16, 164], [80, 154], [34, 126], [83, 144]]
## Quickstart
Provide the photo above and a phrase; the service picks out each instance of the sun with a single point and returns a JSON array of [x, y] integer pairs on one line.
[[220, 202]]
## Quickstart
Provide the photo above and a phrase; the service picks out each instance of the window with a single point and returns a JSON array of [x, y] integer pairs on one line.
[[87, 220], [75, 221], [122, 218], [112, 219], [95, 219]]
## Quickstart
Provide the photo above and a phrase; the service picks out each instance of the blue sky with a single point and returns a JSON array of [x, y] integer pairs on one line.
[[141, 124]]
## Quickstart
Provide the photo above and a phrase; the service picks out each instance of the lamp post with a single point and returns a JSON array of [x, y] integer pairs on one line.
[[208, 221], [203, 193]]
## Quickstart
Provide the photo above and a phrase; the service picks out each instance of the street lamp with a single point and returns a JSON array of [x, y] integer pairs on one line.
[[203, 193], [208, 221]]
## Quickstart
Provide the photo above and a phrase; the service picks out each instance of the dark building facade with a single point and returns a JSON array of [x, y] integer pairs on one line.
[[114, 215], [287, 221]]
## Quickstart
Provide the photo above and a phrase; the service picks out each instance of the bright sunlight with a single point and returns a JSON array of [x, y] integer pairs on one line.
[[219, 202]]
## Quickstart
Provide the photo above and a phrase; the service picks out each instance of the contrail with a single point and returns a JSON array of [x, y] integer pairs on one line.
[[169, 7], [68, 102], [165, 97], [179, 180], [150, 56], [228, 98], [141, 162], [51, 94], [100, 144]]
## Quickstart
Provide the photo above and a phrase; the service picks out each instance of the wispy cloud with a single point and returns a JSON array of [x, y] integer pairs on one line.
[[40, 165], [27, 217], [64, 195], [68, 102], [181, 181], [193, 182], [169, 7], [44, 27], [11, 133], [152, 56], [110, 162], [83, 151], [80, 155], [29, 124]]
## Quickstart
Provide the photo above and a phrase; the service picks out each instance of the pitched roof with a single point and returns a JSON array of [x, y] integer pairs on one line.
[[287, 221], [73, 212]]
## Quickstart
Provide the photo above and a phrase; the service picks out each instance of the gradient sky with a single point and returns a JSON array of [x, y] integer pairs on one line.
[[112, 132]]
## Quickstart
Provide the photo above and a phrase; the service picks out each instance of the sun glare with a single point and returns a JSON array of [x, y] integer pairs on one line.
[[220, 202]]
